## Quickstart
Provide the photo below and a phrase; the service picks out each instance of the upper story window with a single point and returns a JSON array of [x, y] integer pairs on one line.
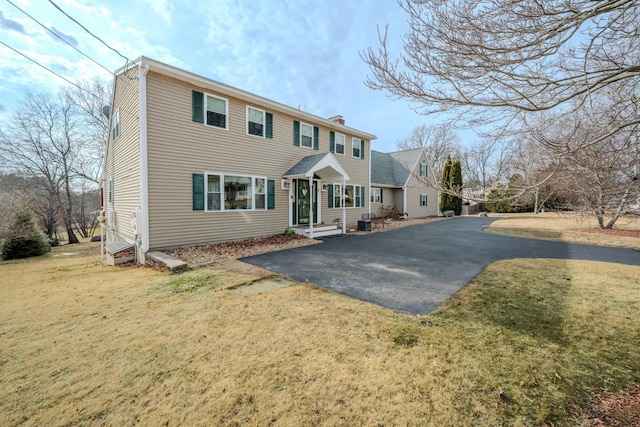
[[255, 122], [306, 135], [423, 169], [356, 147], [115, 125], [217, 111], [339, 143]]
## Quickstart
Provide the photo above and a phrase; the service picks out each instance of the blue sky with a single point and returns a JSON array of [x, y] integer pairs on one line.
[[303, 54]]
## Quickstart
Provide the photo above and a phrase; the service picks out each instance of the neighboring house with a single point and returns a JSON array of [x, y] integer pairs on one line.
[[193, 161], [402, 178]]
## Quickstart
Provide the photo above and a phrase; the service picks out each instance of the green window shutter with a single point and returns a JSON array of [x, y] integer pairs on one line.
[[381, 193], [296, 133], [332, 141], [316, 138], [362, 203], [269, 125], [197, 106], [330, 195], [362, 149], [197, 181], [271, 194]]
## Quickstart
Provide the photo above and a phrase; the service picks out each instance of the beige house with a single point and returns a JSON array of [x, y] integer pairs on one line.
[[402, 179], [193, 161]]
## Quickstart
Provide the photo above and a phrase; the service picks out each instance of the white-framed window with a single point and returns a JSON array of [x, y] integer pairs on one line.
[[423, 169], [110, 191], [352, 196], [115, 125], [306, 135], [337, 195], [355, 147], [339, 139], [229, 192], [256, 122], [376, 195], [423, 200], [217, 111]]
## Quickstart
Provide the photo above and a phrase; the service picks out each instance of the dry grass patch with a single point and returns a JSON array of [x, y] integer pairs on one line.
[[568, 227], [86, 344]]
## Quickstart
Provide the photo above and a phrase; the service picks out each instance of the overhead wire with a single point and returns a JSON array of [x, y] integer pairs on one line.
[[62, 39], [87, 30], [43, 66]]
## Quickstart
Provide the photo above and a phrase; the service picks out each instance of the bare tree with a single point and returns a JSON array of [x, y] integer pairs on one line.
[[89, 98], [502, 58], [439, 141], [486, 162], [45, 140], [604, 181]]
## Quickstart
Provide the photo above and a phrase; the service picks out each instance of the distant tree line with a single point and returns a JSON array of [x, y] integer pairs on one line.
[[51, 151]]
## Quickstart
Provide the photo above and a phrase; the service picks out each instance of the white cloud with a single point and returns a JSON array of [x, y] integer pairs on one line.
[[163, 8]]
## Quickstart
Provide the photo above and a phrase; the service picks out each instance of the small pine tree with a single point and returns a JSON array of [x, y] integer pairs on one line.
[[22, 238], [445, 202], [456, 185]]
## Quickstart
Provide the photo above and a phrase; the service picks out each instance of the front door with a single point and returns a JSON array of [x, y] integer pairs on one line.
[[305, 202]]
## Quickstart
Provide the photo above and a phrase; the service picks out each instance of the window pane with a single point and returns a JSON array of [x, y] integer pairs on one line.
[[259, 186], [216, 105], [306, 135], [237, 192], [213, 201], [336, 196], [255, 129], [355, 147], [260, 198], [256, 116], [215, 119], [348, 196], [339, 144], [213, 193]]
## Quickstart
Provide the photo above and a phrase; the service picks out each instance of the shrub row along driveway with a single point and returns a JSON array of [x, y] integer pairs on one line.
[[416, 268]]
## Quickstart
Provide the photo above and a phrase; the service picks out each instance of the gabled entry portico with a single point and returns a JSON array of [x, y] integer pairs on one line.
[[306, 178]]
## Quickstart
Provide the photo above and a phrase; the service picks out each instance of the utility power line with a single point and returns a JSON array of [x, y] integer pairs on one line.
[[65, 41], [43, 66], [85, 28]]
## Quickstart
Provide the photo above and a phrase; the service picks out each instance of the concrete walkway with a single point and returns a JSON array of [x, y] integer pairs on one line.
[[414, 269]]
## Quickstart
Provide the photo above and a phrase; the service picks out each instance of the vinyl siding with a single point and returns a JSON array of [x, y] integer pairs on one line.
[[122, 163], [179, 147], [418, 185]]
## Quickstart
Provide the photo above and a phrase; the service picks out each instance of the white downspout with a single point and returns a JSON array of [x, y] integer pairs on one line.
[[144, 167], [344, 209], [368, 192], [311, 206], [404, 200]]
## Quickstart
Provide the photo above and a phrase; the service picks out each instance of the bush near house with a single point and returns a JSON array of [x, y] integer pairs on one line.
[[22, 238]]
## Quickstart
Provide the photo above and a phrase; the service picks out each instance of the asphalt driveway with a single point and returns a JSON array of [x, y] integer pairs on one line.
[[414, 269]]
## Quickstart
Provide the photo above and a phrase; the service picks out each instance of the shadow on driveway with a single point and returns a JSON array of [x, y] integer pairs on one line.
[[414, 269]]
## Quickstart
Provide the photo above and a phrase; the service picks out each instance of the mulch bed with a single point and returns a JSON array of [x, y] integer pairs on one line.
[[612, 232], [211, 254]]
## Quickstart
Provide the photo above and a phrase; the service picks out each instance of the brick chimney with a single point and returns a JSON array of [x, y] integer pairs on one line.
[[337, 119]]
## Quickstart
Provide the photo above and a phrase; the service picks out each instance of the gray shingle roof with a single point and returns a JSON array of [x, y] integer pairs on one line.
[[386, 170], [303, 166]]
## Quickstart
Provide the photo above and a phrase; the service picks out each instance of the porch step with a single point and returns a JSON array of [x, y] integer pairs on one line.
[[318, 230]]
